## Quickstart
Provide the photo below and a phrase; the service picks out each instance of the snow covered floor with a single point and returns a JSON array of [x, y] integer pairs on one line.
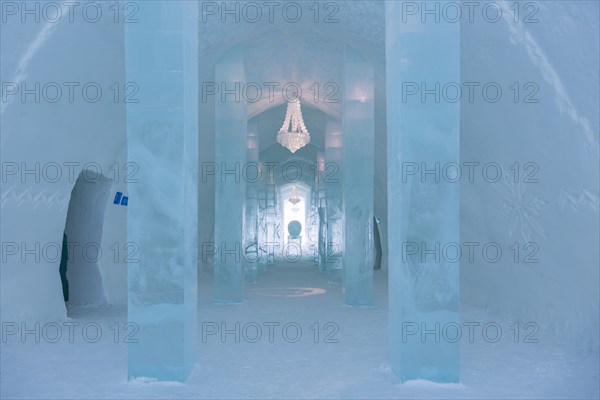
[[356, 366]]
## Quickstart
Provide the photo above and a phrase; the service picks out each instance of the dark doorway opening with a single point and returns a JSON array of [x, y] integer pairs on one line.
[[82, 241]]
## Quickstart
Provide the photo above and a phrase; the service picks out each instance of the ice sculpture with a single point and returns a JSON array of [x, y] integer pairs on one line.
[[334, 246], [162, 135], [358, 125], [252, 177], [423, 214], [230, 187]]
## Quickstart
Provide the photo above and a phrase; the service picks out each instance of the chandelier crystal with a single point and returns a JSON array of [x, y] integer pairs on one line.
[[294, 198], [293, 134]]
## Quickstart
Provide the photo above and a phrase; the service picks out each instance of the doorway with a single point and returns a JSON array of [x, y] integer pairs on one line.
[[79, 266]]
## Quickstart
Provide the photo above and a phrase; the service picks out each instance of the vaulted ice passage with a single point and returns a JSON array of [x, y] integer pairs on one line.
[[384, 188]]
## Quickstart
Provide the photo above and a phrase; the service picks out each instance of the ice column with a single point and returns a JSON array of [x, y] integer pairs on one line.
[[162, 142], [267, 219], [262, 222], [334, 246], [423, 132], [230, 186], [251, 174], [358, 125], [322, 210]]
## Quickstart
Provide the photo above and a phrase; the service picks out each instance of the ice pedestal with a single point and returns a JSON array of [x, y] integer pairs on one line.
[[162, 142], [423, 132], [334, 246], [230, 186], [358, 126]]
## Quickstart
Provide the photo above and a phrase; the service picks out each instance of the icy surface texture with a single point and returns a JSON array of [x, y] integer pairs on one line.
[[230, 187], [252, 177], [358, 153], [161, 57], [423, 288], [334, 246], [34, 209], [543, 133], [268, 219]]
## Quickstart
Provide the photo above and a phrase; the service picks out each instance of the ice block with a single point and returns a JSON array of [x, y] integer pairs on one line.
[[358, 127], [423, 129], [230, 186], [161, 61]]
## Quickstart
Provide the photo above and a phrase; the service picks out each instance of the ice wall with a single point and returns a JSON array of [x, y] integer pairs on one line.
[[162, 133], [57, 136], [543, 133]]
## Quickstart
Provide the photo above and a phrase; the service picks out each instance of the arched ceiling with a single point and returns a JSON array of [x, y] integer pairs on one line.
[[306, 52]]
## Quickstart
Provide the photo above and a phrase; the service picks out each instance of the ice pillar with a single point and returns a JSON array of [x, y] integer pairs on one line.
[[230, 187], [251, 174], [275, 231], [263, 231], [321, 210], [334, 246], [358, 125], [423, 133], [161, 53], [268, 221]]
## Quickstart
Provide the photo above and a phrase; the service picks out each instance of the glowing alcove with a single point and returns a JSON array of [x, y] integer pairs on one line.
[[295, 212]]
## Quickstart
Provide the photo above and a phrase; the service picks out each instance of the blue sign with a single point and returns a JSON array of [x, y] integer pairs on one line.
[[120, 199]]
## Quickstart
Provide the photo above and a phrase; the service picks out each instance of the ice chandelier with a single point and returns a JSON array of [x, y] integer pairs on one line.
[[298, 136], [294, 198]]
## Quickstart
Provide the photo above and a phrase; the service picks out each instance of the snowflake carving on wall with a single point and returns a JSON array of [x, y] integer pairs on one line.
[[522, 210]]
